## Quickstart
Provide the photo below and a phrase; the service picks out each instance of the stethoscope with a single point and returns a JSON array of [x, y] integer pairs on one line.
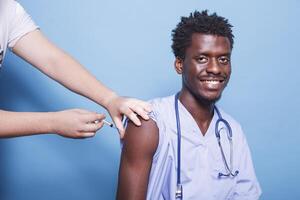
[[179, 190]]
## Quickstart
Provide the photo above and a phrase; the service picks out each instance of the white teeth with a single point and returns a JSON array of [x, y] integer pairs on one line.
[[212, 81]]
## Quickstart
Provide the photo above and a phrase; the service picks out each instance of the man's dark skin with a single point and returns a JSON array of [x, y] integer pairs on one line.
[[205, 72]]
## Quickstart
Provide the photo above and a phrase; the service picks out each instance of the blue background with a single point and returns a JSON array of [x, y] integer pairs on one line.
[[126, 45]]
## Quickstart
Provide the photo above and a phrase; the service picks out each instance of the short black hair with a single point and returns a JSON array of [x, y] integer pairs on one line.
[[199, 22]]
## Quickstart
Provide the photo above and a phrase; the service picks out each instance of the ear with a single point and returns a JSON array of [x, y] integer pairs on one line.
[[178, 64]]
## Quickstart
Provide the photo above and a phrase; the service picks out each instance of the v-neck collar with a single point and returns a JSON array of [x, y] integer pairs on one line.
[[190, 128]]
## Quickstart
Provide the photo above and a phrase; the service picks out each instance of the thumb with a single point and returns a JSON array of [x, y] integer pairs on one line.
[[119, 125]]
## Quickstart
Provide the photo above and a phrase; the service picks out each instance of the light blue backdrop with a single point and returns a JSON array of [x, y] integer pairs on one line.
[[126, 45]]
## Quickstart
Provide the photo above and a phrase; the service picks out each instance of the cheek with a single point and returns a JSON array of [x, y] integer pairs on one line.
[[228, 71], [190, 78], [190, 73], [187, 77], [192, 68]]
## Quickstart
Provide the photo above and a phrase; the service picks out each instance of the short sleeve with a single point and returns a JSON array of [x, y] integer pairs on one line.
[[157, 118], [21, 24]]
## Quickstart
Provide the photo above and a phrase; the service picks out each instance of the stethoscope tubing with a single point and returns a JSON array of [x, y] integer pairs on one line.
[[179, 190]]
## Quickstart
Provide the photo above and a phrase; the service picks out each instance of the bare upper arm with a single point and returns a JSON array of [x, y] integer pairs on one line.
[[139, 146], [37, 50]]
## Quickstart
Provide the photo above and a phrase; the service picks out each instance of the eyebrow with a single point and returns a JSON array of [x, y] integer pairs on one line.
[[228, 54]]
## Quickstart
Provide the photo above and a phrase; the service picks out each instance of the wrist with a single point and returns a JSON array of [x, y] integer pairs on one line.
[[50, 122], [108, 99]]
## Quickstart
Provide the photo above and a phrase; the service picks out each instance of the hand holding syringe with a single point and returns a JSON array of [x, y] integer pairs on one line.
[[107, 123]]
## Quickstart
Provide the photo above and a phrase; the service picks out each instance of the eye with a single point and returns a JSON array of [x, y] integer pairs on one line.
[[202, 59], [224, 60]]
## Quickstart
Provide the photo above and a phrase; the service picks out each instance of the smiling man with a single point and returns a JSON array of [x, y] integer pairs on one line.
[[191, 149]]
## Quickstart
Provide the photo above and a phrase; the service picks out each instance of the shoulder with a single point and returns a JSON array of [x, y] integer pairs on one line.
[[10, 11], [141, 140], [8, 6], [162, 107], [162, 101], [147, 138]]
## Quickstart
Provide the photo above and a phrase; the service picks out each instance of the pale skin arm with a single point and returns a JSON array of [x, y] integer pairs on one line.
[[139, 146], [74, 123], [52, 61]]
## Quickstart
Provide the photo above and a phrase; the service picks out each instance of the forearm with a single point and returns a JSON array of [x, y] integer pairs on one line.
[[13, 124], [67, 71], [58, 65]]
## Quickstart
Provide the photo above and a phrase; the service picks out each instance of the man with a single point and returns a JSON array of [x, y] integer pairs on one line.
[[150, 167], [18, 32]]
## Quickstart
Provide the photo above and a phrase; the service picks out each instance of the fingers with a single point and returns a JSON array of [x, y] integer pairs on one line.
[[92, 122], [119, 125], [88, 134], [132, 116], [137, 107], [92, 127], [140, 111], [76, 123], [146, 106], [129, 107], [93, 117]]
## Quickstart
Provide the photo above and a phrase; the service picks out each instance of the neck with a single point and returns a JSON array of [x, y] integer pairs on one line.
[[200, 110]]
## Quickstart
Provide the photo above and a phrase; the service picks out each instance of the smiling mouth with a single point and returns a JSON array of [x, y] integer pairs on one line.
[[213, 84], [212, 81]]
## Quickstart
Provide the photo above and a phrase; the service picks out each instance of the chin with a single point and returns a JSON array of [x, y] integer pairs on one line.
[[204, 96], [208, 99], [214, 100]]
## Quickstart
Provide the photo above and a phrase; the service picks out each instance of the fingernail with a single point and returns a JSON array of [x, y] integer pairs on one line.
[[89, 135]]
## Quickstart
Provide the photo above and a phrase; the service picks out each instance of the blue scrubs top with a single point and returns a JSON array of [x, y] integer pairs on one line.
[[201, 159]]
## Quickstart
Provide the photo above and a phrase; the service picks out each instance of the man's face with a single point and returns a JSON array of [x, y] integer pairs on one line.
[[206, 68]]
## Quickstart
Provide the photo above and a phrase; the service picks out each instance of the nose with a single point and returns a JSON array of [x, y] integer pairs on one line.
[[213, 67]]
